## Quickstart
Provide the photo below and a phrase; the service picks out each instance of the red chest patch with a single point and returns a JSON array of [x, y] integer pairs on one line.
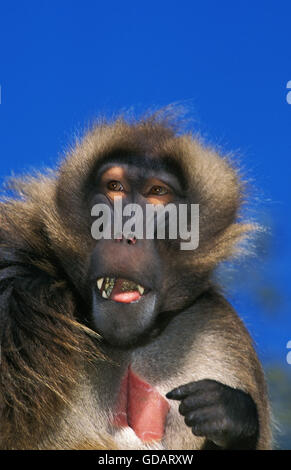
[[141, 407]]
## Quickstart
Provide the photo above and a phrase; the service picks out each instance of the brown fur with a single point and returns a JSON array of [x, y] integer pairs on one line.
[[46, 352]]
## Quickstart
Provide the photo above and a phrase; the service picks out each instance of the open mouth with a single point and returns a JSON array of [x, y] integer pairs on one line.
[[120, 290]]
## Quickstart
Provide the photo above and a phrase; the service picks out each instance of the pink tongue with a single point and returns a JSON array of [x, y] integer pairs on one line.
[[119, 295], [126, 297]]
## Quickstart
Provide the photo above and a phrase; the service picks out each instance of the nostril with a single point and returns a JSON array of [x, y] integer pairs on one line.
[[131, 241], [118, 238]]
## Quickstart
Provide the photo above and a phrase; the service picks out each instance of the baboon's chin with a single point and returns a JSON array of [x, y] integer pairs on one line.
[[124, 323]]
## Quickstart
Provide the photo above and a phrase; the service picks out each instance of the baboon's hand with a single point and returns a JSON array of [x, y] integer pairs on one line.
[[224, 415]]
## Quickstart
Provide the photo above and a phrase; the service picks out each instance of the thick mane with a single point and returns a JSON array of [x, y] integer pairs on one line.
[[44, 239]]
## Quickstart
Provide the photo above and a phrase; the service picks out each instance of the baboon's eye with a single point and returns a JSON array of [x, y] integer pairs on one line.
[[115, 186], [158, 190]]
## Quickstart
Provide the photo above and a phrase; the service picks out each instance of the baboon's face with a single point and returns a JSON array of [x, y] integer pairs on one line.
[[132, 279]]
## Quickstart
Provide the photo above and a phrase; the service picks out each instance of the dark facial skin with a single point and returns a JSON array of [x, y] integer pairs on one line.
[[139, 180]]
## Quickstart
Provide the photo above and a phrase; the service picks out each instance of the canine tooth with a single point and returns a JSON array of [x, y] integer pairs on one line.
[[140, 289], [100, 282], [104, 295]]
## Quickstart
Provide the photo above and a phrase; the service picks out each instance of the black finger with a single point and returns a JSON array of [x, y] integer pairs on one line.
[[197, 400], [181, 392]]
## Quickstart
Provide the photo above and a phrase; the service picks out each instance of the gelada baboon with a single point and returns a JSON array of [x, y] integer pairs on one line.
[[125, 343]]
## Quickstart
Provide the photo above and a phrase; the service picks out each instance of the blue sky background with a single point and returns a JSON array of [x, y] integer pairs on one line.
[[62, 63]]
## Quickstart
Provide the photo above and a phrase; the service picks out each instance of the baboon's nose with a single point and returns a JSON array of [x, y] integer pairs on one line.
[[131, 240]]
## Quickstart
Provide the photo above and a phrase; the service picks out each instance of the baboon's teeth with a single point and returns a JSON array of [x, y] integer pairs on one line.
[[140, 289], [100, 282], [107, 284]]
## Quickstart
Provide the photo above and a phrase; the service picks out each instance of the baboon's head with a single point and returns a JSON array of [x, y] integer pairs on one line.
[[132, 283]]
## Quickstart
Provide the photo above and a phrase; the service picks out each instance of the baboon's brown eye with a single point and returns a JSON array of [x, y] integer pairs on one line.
[[115, 186], [158, 190]]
